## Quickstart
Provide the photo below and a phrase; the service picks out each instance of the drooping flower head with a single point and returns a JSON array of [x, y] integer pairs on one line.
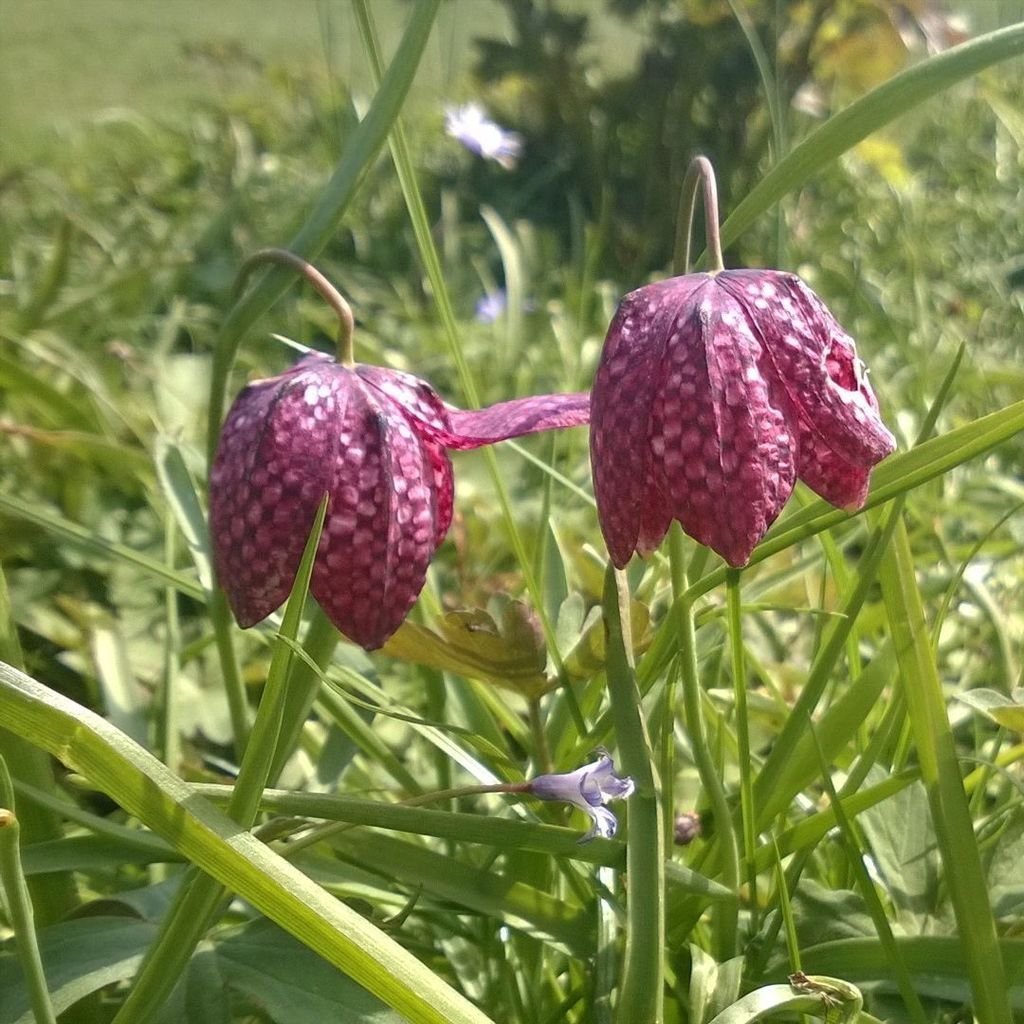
[[376, 442], [589, 788], [713, 394], [471, 126]]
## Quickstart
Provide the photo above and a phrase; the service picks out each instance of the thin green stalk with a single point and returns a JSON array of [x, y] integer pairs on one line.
[[200, 894], [319, 227], [432, 264], [19, 903], [168, 745], [319, 644], [739, 680], [541, 752], [940, 772], [866, 887], [700, 172], [642, 979], [726, 913], [54, 895]]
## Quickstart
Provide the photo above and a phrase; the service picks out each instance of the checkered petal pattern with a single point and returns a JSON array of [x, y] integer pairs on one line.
[[716, 392], [376, 442]]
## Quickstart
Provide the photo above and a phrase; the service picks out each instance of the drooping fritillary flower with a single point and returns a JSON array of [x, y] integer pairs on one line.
[[589, 788], [375, 440], [714, 393]]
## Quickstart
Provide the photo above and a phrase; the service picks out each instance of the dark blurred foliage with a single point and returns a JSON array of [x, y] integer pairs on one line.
[[611, 148], [617, 146]]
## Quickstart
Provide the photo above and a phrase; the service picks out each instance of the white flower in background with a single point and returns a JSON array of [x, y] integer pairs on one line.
[[479, 134], [589, 788], [491, 306]]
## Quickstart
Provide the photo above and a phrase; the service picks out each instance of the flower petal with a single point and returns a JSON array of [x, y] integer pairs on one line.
[[473, 428], [621, 406], [839, 482], [604, 824], [720, 429], [816, 361], [275, 460], [380, 530]]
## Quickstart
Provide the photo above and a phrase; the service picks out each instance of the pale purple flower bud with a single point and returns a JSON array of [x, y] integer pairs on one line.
[[589, 788], [491, 306], [471, 126], [713, 394], [375, 441]]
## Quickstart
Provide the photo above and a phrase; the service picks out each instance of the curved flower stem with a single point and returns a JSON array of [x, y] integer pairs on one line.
[[19, 903], [700, 171], [727, 912], [334, 298], [640, 994]]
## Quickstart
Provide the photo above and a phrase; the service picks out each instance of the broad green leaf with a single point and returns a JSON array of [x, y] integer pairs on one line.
[[508, 654], [80, 956], [1005, 878], [936, 963], [905, 850], [878, 108], [1005, 711], [145, 788], [292, 984]]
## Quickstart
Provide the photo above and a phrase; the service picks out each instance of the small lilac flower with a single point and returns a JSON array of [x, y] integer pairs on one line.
[[589, 788], [713, 394], [471, 126], [491, 306], [376, 441]]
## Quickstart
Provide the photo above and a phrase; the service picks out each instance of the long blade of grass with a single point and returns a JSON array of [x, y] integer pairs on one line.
[[875, 110], [940, 772], [360, 151], [146, 789]]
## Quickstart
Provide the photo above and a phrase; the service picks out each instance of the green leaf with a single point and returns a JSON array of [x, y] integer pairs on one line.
[[291, 984], [180, 491], [236, 858], [1005, 880], [878, 108], [1005, 711], [80, 957], [470, 642], [905, 849]]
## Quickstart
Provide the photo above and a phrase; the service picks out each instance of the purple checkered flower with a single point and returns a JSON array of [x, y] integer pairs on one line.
[[376, 441], [589, 788], [713, 394]]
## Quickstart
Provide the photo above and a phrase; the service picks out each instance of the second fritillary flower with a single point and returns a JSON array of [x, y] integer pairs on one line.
[[713, 394]]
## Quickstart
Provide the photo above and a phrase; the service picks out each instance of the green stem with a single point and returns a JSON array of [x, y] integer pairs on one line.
[[334, 298], [940, 773], [54, 894], [541, 752], [19, 903], [727, 911], [432, 265], [641, 996], [700, 172], [319, 644], [739, 681], [200, 894]]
